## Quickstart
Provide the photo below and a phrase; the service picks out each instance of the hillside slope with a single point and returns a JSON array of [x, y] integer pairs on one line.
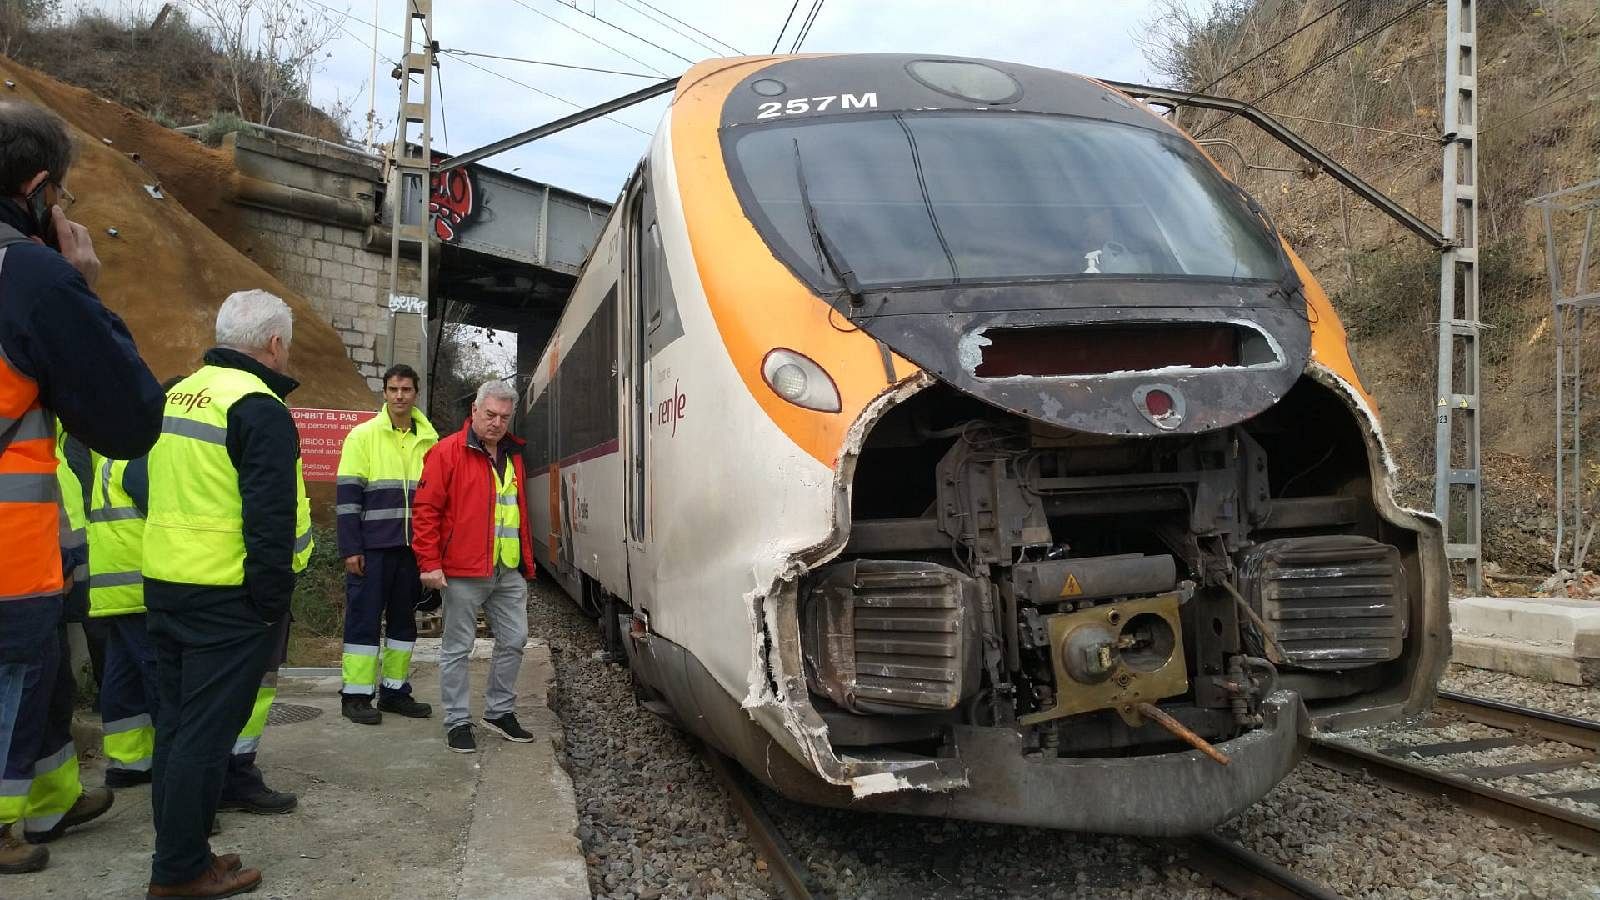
[[1375, 107], [165, 272]]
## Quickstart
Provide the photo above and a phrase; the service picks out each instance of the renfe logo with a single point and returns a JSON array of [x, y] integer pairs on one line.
[[190, 402]]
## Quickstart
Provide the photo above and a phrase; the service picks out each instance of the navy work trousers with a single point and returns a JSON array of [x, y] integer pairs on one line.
[[209, 663]]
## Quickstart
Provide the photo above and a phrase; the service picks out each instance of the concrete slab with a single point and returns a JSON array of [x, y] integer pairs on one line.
[[1545, 638], [384, 811]]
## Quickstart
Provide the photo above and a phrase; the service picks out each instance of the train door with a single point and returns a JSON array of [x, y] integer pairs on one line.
[[638, 277]]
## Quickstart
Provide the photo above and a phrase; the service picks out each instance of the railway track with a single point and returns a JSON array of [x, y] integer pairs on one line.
[[1467, 785], [1230, 867]]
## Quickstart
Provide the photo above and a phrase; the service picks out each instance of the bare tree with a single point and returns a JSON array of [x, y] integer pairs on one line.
[[19, 17], [270, 49]]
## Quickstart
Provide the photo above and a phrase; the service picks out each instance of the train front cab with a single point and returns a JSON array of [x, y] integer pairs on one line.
[[1045, 508]]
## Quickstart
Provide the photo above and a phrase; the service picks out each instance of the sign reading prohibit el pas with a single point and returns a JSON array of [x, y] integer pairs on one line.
[[322, 433]]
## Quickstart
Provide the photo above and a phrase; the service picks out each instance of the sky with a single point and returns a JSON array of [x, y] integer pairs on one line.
[[476, 107]]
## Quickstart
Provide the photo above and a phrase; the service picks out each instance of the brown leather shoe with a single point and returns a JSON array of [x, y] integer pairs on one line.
[[18, 856], [210, 883], [227, 862]]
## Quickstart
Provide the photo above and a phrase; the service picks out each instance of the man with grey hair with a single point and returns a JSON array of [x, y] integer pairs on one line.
[[472, 490], [227, 529]]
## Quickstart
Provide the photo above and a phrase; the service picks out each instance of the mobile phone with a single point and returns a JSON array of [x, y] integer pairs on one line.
[[43, 216]]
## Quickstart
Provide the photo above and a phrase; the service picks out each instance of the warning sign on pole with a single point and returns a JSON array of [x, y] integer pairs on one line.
[[322, 433]]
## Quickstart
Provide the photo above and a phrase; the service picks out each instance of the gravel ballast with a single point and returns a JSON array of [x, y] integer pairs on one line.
[[654, 823]]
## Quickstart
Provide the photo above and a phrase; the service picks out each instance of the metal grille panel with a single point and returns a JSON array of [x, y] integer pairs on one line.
[[1332, 602]]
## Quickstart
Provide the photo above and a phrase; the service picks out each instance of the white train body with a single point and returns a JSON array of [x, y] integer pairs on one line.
[[858, 531]]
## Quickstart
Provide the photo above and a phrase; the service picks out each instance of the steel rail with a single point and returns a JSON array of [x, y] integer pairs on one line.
[[1245, 873], [1572, 830], [1496, 714], [783, 865]]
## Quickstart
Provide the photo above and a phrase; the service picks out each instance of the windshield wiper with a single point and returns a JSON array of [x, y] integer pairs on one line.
[[1290, 283], [826, 249]]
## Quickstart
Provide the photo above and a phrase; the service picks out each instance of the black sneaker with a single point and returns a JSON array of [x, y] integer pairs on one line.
[[506, 726], [405, 705], [126, 778], [359, 710], [266, 802], [460, 739]]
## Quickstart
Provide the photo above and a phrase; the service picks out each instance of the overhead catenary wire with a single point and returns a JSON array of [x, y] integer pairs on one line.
[[588, 37], [615, 27], [735, 50], [1330, 57], [781, 31], [454, 51], [545, 93], [698, 42], [1271, 47], [805, 29]]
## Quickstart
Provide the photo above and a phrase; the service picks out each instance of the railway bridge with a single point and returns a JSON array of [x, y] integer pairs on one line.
[[507, 249]]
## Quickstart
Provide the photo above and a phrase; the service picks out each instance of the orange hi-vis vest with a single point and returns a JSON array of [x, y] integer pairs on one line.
[[29, 512]]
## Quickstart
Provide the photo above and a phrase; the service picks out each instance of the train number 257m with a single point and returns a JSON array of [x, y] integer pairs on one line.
[[801, 105]]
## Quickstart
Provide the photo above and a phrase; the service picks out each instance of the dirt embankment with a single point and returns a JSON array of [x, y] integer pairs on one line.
[[165, 271]]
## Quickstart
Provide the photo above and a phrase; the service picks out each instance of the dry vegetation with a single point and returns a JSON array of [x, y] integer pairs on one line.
[[174, 65], [1375, 107]]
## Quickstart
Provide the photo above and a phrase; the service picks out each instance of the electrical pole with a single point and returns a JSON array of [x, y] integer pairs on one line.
[[1458, 464], [410, 167]]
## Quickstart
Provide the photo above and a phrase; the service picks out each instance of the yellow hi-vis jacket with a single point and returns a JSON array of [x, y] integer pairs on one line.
[[194, 533]]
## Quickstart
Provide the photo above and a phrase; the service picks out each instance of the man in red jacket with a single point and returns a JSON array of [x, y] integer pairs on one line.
[[471, 541]]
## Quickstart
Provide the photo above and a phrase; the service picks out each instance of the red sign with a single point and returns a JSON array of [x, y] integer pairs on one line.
[[322, 433]]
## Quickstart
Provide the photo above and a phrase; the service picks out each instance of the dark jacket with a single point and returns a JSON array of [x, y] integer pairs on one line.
[[54, 330], [452, 522], [264, 446]]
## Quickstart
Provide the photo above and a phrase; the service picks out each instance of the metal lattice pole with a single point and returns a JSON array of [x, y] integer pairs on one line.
[[410, 170], [1457, 461]]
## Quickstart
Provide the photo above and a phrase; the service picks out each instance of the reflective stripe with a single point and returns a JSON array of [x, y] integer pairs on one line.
[[114, 579], [200, 431], [131, 765], [303, 542], [347, 509], [397, 513], [507, 501], [18, 487], [142, 720], [394, 684], [55, 760], [387, 484], [392, 644], [114, 513], [15, 787], [503, 531], [35, 596], [32, 426], [360, 650], [246, 745], [349, 688], [356, 480]]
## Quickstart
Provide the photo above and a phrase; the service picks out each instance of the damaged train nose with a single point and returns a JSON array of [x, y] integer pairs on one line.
[[1039, 626]]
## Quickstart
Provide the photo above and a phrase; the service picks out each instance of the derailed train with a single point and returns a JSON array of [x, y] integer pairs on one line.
[[927, 430]]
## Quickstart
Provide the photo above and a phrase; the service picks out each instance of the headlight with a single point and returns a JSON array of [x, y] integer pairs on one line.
[[797, 379]]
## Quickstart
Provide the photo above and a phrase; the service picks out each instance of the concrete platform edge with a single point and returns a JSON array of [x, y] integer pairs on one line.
[[523, 838]]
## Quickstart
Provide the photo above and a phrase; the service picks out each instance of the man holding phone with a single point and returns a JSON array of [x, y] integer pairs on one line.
[[51, 322]]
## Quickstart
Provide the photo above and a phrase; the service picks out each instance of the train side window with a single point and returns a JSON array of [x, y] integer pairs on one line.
[[661, 307]]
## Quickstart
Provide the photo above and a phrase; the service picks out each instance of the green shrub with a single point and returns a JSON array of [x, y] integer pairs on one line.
[[222, 124], [318, 603]]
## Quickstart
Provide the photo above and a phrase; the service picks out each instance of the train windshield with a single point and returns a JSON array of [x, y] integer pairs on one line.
[[937, 198]]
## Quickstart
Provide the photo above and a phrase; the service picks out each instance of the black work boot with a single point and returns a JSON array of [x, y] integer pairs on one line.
[[265, 802], [405, 705], [359, 710]]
